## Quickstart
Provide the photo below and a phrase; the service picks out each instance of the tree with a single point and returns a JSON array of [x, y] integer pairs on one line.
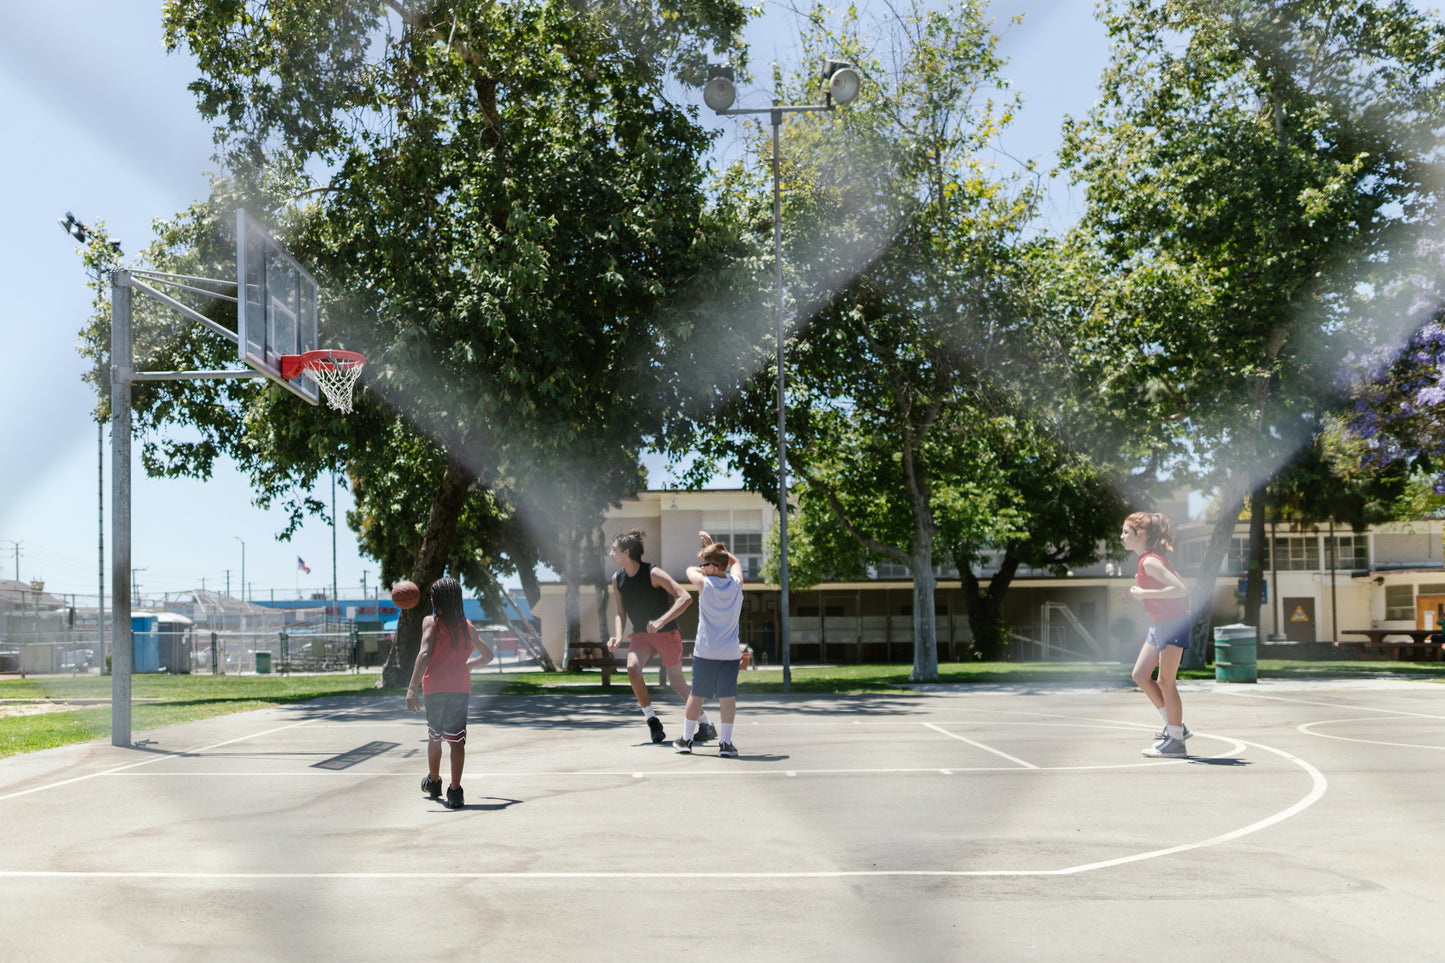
[[502, 199], [903, 248], [1256, 173]]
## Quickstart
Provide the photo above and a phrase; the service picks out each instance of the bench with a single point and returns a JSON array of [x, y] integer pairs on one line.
[[1375, 647], [594, 655]]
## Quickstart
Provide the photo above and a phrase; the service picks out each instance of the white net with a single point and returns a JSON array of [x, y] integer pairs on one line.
[[336, 377]]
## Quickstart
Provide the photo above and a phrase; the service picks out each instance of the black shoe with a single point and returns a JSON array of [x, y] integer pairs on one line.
[[728, 749], [655, 724], [432, 787], [705, 732], [454, 798], [682, 745]]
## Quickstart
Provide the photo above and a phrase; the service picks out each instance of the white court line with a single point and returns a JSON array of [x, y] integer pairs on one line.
[[161, 757], [1318, 785], [1308, 729], [1317, 790], [1335, 705], [979, 745]]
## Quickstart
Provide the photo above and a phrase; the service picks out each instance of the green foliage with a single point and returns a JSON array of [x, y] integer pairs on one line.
[[498, 201], [910, 423]]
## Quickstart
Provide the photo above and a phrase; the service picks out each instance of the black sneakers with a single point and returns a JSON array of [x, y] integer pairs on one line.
[[432, 787], [728, 749], [454, 798], [655, 724], [705, 732], [682, 745]]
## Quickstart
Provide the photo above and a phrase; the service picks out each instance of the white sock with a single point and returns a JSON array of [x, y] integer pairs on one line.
[[702, 718], [1163, 714], [1174, 732], [689, 729], [725, 732], [649, 711]]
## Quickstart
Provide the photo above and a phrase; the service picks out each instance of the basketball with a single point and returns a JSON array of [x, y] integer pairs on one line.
[[405, 594]]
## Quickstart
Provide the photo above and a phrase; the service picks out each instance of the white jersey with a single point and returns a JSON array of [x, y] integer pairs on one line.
[[718, 606]]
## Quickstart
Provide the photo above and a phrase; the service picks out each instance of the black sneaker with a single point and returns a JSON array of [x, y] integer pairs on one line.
[[655, 724], [432, 787], [728, 749], [454, 798], [705, 732], [682, 745]]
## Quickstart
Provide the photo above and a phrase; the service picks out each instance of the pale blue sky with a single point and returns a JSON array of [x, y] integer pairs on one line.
[[99, 123]]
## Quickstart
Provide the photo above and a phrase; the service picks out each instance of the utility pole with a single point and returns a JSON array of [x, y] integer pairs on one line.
[[82, 233], [16, 547]]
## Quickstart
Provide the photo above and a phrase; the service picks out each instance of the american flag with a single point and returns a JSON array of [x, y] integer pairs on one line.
[[301, 564]]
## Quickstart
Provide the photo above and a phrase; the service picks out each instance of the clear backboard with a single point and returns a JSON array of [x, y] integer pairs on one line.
[[276, 301]]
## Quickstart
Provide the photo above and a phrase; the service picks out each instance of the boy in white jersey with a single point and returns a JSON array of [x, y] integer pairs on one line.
[[716, 654]]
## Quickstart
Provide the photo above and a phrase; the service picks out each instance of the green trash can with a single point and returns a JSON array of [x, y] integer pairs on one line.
[[1234, 654], [263, 662]]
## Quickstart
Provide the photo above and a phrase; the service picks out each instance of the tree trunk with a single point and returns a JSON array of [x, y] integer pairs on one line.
[[985, 608], [1254, 585], [925, 620], [446, 507], [572, 575], [1202, 597]]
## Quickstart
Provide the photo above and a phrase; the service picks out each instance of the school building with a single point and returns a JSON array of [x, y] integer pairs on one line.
[[1319, 582]]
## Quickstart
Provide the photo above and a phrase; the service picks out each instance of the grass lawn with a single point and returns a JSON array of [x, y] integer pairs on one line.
[[881, 678], [157, 700], [163, 700]]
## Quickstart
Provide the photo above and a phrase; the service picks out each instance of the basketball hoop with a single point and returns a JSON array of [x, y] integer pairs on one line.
[[334, 371]]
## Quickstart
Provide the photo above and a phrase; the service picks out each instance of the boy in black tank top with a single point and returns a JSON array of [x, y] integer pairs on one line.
[[651, 600]]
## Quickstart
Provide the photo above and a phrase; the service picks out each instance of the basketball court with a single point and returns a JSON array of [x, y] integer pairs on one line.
[[951, 823]]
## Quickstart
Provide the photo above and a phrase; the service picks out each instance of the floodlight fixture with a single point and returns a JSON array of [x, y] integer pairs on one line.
[[720, 91], [843, 82]]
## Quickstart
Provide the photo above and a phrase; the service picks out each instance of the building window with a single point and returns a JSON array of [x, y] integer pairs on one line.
[[1352, 552], [1399, 603]]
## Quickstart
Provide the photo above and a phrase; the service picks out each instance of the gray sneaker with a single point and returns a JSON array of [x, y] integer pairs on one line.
[[1163, 734], [682, 745], [1168, 748]]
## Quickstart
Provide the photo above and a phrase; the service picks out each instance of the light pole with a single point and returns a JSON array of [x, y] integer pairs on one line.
[[82, 233], [243, 565], [843, 83]]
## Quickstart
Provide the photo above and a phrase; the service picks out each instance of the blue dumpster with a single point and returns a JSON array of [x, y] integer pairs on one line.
[[1235, 654]]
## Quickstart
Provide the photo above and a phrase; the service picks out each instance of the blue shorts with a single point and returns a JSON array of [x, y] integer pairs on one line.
[[1169, 632], [446, 716], [715, 677]]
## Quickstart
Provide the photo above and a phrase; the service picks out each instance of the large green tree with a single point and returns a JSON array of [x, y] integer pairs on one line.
[[498, 200], [1256, 171], [911, 327]]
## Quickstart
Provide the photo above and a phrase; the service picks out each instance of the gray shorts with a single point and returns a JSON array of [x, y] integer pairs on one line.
[[446, 716], [715, 677], [1169, 632]]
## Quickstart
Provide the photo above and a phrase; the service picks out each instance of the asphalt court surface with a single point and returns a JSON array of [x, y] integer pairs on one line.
[[948, 823]]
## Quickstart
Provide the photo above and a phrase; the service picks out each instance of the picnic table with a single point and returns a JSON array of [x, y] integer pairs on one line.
[[1375, 646]]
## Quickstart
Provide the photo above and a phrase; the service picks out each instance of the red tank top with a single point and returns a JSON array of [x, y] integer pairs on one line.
[[1160, 610], [447, 671]]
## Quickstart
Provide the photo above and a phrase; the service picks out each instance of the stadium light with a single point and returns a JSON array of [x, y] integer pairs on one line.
[[843, 85]]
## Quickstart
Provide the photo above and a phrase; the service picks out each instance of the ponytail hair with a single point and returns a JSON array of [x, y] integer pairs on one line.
[[1157, 529], [446, 604]]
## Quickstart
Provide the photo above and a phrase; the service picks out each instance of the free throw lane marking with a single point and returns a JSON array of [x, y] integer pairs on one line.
[[978, 745]]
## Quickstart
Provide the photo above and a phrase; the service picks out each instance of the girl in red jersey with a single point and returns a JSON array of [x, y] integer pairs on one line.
[[1159, 587], [443, 672]]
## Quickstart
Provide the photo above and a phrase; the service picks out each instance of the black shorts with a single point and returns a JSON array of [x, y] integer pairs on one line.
[[446, 716]]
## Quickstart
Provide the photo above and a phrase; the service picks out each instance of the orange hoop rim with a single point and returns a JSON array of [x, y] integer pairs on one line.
[[293, 365]]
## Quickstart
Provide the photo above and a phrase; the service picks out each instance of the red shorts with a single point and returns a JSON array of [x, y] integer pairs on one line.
[[667, 646]]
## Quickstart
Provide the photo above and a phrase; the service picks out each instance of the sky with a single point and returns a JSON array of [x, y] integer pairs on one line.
[[99, 123]]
